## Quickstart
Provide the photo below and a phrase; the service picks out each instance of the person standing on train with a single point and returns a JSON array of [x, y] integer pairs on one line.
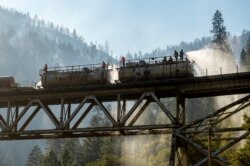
[[123, 61], [181, 54], [176, 55], [170, 59], [45, 68], [103, 65]]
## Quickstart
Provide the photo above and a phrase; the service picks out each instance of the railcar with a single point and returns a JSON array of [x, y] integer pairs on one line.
[[7, 82], [155, 69], [75, 76]]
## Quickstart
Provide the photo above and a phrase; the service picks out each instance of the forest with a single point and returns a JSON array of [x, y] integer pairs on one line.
[[26, 44]]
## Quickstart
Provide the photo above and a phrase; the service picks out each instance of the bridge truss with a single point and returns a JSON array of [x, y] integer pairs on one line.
[[67, 110]]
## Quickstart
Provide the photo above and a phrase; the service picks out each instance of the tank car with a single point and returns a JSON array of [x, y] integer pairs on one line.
[[155, 69], [7, 82], [74, 76]]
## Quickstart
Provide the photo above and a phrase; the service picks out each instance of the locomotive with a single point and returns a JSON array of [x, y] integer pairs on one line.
[[131, 70]]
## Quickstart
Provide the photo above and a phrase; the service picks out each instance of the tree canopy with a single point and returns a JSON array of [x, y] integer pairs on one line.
[[219, 29]]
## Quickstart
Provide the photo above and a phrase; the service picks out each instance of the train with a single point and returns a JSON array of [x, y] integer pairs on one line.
[[146, 69], [154, 68]]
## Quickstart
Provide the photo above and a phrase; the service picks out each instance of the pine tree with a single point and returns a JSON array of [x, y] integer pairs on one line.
[[56, 145], [248, 50], [35, 157], [243, 57], [50, 159], [67, 159], [71, 152], [219, 30], [220, 34]]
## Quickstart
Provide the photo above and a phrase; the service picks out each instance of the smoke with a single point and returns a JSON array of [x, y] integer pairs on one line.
[[113, 73], [213, 61]]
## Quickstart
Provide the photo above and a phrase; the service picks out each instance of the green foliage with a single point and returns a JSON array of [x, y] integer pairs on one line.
[[71, 152], [219, 30], [243, 58], [106, 160], [242, 156], [246, 125], [35, 157], [67, 159], [56, 145], [220, 34], [50, 159], [247, 52], [248, 46]]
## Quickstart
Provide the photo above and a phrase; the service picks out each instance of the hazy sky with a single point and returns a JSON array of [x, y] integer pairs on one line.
[[133, 25]]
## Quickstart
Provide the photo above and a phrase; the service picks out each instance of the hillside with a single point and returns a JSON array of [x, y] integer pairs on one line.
[[27, 43]]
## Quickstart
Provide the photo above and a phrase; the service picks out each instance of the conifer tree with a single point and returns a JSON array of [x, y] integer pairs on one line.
[[220, 34], [248, 48], [71, 152], [50, 159], [56, 145], [243, 57], [219, 30], [35, 157], [67, 159]]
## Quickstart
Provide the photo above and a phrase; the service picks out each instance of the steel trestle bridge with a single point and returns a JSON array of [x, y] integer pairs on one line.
[[76, 103]]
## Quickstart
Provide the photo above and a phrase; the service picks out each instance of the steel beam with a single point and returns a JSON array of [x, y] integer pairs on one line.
[[78, 108], [166, 111], [26, 123], [139, 113], [83, 116], [20, 116], [105, 111], [127, 116], [50, 114], [219, 111]]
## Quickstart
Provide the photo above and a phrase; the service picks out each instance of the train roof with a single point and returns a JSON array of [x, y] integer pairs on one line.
[[4, 77]]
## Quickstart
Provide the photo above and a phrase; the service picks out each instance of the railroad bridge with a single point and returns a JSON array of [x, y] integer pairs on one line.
[[75, 104]]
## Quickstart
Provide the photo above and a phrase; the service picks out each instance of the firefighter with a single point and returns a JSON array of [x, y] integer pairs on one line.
[[181, 54], [164, 59], [45, 69], [123, 61], [170, 59], [103, 65], [176, 55]]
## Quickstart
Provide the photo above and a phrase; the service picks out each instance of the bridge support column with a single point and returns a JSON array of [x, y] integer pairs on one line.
[[118, 108], [8, 114], [180, 109], [62, 110], [173, 149], [181, 149], [123, 111], [16, 115]]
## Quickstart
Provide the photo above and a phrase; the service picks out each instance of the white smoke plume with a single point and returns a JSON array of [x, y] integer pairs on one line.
[[212, 61]]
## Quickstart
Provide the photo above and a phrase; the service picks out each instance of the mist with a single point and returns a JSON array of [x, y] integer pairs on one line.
[[213, 61]]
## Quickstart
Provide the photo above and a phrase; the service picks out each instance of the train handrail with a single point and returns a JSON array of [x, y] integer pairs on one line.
[[75, 68]]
